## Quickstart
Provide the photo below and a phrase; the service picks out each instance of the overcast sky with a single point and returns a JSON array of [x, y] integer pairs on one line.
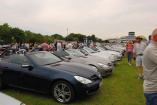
[[103, 18]]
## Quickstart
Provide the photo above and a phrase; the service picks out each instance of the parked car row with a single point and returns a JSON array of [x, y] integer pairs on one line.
[[63, 74]]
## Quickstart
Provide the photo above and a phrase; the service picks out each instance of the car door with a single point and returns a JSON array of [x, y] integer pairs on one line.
[[18, 76]]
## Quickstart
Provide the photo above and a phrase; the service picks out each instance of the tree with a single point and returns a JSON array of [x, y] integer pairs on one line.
[[76, 39], [5, 33], [37, 38], [57, 36], [106, 41], [29, 35], [99, 40], [93, 38], [18, 35], [48, 39]]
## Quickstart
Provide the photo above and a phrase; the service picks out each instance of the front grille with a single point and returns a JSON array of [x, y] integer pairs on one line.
[[95, 77]]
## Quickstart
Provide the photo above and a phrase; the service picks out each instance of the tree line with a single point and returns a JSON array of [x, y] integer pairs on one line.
[[10, 34]]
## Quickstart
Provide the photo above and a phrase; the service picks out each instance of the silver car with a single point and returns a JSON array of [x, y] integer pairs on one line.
[[89, 51], [104, 66], [101, 49]]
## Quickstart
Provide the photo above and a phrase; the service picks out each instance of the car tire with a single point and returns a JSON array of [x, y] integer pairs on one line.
[[63, 92]]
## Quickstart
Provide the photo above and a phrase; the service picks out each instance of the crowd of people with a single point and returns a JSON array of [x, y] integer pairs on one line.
[[58, 46]]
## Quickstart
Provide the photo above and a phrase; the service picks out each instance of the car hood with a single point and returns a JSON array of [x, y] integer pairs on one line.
[[113, 52], [74, 68], [94, 60], [101, 54]]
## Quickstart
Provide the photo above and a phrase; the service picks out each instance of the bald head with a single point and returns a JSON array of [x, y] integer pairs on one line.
[[154, 35]]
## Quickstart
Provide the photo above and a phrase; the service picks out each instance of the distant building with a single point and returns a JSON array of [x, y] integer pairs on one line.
[[131, 37], [114, 40]]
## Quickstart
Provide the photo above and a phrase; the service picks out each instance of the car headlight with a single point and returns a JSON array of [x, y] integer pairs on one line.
[[103, 65], [83, 80], [99, 74]]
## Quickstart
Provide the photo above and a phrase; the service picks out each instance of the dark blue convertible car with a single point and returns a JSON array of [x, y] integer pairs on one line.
[[46, 73]]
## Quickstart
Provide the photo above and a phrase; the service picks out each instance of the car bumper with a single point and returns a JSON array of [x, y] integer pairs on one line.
[[106, 71], [88, 89], [114, 62], [119, 58]]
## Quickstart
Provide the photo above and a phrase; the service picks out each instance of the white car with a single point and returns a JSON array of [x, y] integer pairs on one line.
[[114, 49], [8, 100], [89, 51], [101, 49]]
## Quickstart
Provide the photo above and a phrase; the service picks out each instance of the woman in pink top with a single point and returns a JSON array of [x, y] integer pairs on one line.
[[129, 51]]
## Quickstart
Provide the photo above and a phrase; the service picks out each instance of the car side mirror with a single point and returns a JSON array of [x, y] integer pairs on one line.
[[86, 54], [67, 57]]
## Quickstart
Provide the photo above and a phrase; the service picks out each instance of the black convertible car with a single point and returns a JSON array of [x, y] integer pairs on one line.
[[44, 72]]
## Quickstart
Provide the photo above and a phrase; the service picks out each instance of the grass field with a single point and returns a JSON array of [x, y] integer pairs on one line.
[[120, 88]]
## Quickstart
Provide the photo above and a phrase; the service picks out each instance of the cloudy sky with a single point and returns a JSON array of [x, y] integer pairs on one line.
[[103, 18]]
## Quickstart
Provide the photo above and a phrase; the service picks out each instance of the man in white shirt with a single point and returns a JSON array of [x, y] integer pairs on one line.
[[69, 46], [138, 51], [59, 47]]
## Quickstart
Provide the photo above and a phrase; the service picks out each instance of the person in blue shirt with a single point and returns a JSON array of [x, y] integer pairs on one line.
[[147, 43]]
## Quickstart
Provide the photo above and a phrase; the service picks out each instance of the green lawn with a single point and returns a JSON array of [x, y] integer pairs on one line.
[[120, 88]]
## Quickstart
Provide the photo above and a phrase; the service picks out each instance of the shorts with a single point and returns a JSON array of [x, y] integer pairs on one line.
[[151, 99], [139, 60]]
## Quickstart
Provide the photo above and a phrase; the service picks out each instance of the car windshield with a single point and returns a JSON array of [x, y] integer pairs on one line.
[[75, 53], [90, 50], [45, 58], [61, 53], [108, 47], [101, 48], [94, 48]]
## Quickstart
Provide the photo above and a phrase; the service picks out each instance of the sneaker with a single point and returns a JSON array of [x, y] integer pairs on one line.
[[139, 77], [130, 64]]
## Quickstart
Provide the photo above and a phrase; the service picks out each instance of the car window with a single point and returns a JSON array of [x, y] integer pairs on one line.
[[45, 58], [19, 59], [83, 51], [61, 53], [101, 48], [75, 53], [90, 50], [95, 49]]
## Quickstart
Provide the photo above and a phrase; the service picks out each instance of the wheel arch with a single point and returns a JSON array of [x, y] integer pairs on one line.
[[61, 79]]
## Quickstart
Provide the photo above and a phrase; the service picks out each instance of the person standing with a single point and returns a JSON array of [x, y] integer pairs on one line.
[[147, 43], [30, 47], [69, 46], [45, 46], [59, 46], [129, 51], [138, 51], [150, 71], [55, 45]]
